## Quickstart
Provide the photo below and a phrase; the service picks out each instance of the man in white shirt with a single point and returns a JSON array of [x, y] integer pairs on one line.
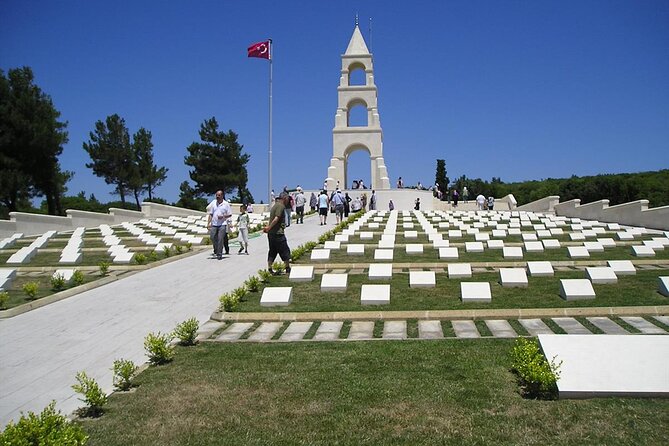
[[480, 200], [300, 201], [217, 223]]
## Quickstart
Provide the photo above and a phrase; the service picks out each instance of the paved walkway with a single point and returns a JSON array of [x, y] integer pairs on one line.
[[41, 351]]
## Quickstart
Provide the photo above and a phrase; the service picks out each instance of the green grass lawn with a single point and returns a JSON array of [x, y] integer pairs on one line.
[[456, 392], [18, 297], [542, 292]]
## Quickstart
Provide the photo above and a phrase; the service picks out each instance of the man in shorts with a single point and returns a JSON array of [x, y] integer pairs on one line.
[[275, 233]]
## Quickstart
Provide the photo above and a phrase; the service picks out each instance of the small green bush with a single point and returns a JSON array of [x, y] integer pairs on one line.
[[93, 396], [153, 256], [167, 251], [78, 278], [207, 241], [252, 284], [178, 249], [158, 348], [124, 372], [4, 297], [189, 246], [241, 293], [229, 302], [279, 267], [538, 377], [186, 331], [140, 258], [31, 289], [58, 282], [104, 268], [264, 275], [48, 428]]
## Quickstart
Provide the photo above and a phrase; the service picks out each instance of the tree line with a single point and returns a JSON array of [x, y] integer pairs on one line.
[[617, 188], [32, 138]]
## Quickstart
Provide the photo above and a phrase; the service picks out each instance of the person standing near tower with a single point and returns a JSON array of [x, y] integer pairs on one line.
[[217, 222], [275, 233]]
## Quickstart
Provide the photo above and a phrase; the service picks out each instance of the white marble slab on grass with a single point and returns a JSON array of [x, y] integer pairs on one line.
[[334, 282], [571, 326], [66, 274], [459, 270], [70, 257], [413, 248], [355, 249], [482, 237], [576, 289], [22, 256], [613, 365], [341, 238], [642, 251], [607, 325], [386, 244], [375, 295], [410, 234], [331, 244], [664, 241], [454, 233], [422, 279], [499, 233], [514, 231], [663, 285], [301, 273], [576, 236], [622, 267], [593, 246], [541, 268], [383, 254], [320, 254], [557, 231], [578, 252], [512, 252], [380, 271], [624, 236], [654, 245], [544, 233], [448, 253], [529, 237], [475, 292], [474, 246], [366, 235], [513, 277], [601, 275], [276, 296], [440, 243], [607, 242], [534, 247], [495, 244], [551, 243]]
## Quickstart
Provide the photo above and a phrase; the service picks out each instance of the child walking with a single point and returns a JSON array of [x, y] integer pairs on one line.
[[243, 224]]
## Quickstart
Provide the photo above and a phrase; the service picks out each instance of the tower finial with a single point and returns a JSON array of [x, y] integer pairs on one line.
[[356, 19]]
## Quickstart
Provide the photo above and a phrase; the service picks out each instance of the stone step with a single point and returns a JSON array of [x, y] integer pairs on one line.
[[607, 325], [571, 325], [465, 329], [295, 331], [501, 328], [395, 330], [535, 327], [361, 330], [328, 331], [265, 331], [643, 325], [234, 331], [430, 330]]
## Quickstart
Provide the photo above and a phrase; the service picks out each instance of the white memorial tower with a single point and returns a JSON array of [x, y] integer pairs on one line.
[[347, 139]]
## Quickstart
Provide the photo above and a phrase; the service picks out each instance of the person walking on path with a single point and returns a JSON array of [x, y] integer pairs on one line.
[[313, 202], [491, 203], [323, 205], [217, 223], [275, 233], [391, 205], [347, 205], [456, 196], [338, 200], [372, 201], [300, 201], [243, 225], [480, 201], [400, 183], [465, 195], [363, 198], [417, 204]]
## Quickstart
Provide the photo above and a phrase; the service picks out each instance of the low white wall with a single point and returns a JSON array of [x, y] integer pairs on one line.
[[546, 204], [156, 210], [635, 213]]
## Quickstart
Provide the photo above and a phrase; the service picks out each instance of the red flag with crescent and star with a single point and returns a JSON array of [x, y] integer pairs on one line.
[[260, 49]]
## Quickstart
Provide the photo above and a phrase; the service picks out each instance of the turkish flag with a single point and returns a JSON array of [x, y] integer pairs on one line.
[[260, 49]]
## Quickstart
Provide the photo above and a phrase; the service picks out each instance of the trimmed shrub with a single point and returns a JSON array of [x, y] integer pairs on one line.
[[153, 256], [158, 348], [186, 331], [104, 268], [140, 258], [58, 282], [264, 275], [178, 249], [31, 289], [93, 396], [50, 427], [229, 302], [279, 267], [252, 284], [124, 372], [4, 297], [78, 278], [167, 251], [538, 377]]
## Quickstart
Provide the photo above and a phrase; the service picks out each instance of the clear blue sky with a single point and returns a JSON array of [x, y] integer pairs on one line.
[[515, 89]]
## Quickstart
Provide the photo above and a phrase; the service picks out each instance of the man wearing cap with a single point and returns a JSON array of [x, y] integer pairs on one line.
[[275, 233], [300, 201], [338, 200]]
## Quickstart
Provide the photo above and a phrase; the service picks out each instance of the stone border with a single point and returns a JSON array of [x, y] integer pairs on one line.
[[115, 274], [516, 313]]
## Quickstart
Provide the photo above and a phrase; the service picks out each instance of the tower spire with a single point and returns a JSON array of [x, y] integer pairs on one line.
[[356, 19]]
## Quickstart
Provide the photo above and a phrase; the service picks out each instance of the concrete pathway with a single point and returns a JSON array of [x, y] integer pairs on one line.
[[42, 350]]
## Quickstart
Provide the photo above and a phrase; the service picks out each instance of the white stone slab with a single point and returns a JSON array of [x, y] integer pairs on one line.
[[265, 331], [576, 236], [334, 282], [576, 289], [380, 271], [495, 244], [498, 233], [593, 246], [410, 234], [535, 326], [301, 273], [454, 233], [375, 295], [234, 331], [571, 325], [643, 325], [527, 237], [122, 257], [663, 285], [395, 330], [276, 296], [430, 330], [474, 246], [475, 292], [534, 247], [544, 233], [624, 236], [578, 252], [512, 252], [513, 277], [622, 267], [540, 269], [465, 329], [341, 238], [331, 244], [551, 243], [607, 242], [459, 270], [642, 251], [601, 274], [320, 254], [361, 330], [295, 331], [607, 325], [422, 279], [328, 331], [613, 365], [383, 254], [500, 328], [448, 253], [66, 274], [664, 241], [355, 249], [366, 235], [655, 245], [414, 248]]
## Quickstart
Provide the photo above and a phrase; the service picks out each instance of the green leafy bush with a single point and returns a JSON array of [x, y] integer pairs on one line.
[[153, 256], [264, 275], [158, 348], [78, 278], [58, 282], [49, 428], [229, 302], [167, 251], [124, 372], [189, 246], [104, 268], [186, 331], [538, 377], [252, 284], [279, 267], [4, 297], [140, 258], [93, 396], [31, 289], [241, 293], [178, 249]]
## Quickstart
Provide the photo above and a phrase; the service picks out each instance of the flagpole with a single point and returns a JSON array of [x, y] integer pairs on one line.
[[269, 186]]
